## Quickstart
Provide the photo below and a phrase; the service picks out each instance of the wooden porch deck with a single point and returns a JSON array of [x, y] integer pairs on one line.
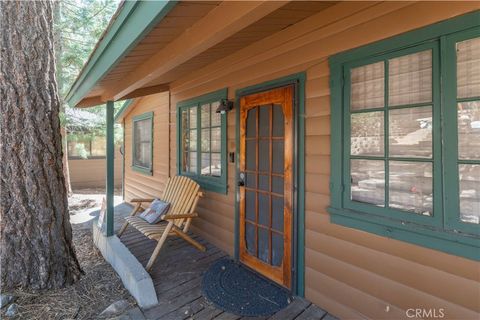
[[177, 277]]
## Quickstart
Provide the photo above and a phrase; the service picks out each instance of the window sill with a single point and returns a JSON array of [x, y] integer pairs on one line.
[[143, 170], [208, 185], [451, 242]]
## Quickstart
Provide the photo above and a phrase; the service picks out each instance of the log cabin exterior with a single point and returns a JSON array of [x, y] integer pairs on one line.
[[308, 82]]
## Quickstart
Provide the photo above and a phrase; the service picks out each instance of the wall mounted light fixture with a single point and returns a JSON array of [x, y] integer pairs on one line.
[[225, 106]]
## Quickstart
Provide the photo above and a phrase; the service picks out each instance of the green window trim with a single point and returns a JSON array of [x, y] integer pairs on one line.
[[443, 231], [210, 183], [136, 167]]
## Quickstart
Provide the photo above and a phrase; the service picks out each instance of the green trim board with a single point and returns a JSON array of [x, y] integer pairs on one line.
[[298, 80], [124, 109], [109, 230], [444, 231], [215, 184], [134, 20], [136, 167]]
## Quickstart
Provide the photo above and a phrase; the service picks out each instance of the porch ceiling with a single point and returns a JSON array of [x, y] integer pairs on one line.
[[190, 36]]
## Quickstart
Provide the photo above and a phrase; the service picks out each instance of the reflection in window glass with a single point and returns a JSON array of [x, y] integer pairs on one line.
[[410, 132], [210, 141], [411, 187], [468, 68], [368, 181], [367, 134], [367, 86], [469, 176], [410, 79], [468, 120]]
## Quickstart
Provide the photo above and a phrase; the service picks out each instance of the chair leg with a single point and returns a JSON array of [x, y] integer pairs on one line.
[[158, 247], [122, 229], [187, 238]]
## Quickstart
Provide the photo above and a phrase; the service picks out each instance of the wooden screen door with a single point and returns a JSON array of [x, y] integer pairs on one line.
[[266, 154]]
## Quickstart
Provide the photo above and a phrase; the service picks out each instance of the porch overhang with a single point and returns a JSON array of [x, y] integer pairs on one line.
[[151, 44]]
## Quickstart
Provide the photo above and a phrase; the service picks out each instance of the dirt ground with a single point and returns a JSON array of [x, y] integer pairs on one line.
[[97, 289]]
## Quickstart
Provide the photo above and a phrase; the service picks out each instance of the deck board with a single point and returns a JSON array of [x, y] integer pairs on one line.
[[177, 278]]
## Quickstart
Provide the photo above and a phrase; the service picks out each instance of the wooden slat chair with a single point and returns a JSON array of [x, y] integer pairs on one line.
[[183, 194]]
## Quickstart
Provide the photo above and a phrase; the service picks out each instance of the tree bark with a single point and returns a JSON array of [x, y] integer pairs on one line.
[[36, 235]]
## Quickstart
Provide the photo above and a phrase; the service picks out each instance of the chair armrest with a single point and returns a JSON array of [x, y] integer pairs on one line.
[[179, 216], [141, 200]]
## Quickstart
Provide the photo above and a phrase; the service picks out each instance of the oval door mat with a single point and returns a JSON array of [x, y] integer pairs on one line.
[[235, 289]]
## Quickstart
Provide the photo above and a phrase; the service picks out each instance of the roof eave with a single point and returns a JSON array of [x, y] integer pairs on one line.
[[133, 22]]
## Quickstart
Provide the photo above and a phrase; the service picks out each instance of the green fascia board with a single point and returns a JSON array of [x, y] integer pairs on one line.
[[123, 110], [134, 21], [206, 98]]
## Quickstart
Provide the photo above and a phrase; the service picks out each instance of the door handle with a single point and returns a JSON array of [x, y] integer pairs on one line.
[[241, 179]]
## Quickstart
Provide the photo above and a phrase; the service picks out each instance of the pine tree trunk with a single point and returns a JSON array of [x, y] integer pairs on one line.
[[36, 235]]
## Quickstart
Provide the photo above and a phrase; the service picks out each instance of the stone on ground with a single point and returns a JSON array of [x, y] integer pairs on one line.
[[6, 299], [116, 308], [12, 310]]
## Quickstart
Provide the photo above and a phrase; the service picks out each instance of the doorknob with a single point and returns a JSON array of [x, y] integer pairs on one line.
[[241, 179]]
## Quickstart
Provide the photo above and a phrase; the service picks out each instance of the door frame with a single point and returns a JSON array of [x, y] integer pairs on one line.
[[298, 208]]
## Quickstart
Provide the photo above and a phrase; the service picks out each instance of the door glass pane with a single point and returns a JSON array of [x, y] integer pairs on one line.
[[205, 115], [251, 123], [410, 79], [251, 180], [410, 132], [278, 121], [368, 181], [411, 186], [367, 86], [277, 184], [250, 155], [277, 249], [263, 182], [468, 68], [469, 130], [277, 213], [278, 153], [367, 134], [250, 237], [264, 156], [216, 165], [263, 250], [469, 175], [263, 209], [264, 121], [250, 205]]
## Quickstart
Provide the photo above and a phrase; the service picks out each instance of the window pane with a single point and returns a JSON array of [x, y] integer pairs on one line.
[[205, 169], [216, 117], [367, 86], [468, 68], [469, 130], [410, 79], [216, 165], [410, 186], [367, 134], [205, 115], [205, 139], [193, 117], [216, 140], [192, 143], [469, 175], [410, 132], [368, 181], [192, 162], [98, 147], [142, 132]]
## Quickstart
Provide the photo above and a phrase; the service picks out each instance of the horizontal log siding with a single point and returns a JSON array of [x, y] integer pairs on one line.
[[91, 173], [140, 185], [351, 273]]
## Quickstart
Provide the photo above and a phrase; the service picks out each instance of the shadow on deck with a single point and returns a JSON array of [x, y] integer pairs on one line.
[[177, 277]]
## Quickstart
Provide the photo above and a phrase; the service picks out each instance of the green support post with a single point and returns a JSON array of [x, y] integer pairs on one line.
[[110, 171]]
